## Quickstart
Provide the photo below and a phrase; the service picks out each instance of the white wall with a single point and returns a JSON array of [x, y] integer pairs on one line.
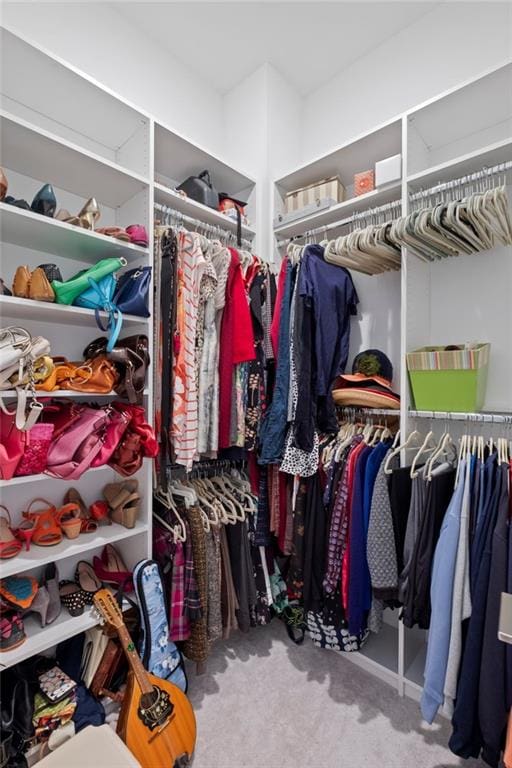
[[262, 135], [452, 43], [100, 42]]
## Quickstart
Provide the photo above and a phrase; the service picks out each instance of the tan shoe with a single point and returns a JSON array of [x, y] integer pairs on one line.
[[4, 185], [40, 288], [21, 282]]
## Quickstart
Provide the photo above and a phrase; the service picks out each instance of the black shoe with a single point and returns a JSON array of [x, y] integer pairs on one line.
[[45, 201], [10, 200]]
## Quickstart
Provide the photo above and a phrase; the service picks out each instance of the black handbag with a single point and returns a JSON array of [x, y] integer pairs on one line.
[[51, 271], [201, 189]]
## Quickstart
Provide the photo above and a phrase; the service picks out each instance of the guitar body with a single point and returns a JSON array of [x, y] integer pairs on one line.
[[161, 746]]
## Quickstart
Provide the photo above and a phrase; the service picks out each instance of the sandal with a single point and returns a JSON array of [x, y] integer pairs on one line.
[[70, 521], [47, 532], [111, 568], [99, 511], [9, 544], [12, 631], [72, 597], [25, 531], [73, 497], [124, 501], [87, 581]]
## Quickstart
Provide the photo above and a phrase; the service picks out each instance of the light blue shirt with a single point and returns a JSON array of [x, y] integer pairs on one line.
[[441, 595]]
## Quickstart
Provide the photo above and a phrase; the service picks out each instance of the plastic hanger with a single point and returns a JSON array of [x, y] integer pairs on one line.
[[396, 449], [427, 447]]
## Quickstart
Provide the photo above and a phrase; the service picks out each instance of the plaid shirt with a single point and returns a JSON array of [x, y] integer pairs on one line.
[[340, 520]]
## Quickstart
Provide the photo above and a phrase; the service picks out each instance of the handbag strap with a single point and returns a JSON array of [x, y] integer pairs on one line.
[[114, 323], [26, 416]]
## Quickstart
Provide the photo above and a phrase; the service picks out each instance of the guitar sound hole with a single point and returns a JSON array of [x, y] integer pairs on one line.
[[155, 708], [148, 699]]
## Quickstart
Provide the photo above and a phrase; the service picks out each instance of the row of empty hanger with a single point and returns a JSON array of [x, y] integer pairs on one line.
[[464, 216], [223, 499]]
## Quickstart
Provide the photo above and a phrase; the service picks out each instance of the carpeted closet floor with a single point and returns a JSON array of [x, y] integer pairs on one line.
[[266, 703]]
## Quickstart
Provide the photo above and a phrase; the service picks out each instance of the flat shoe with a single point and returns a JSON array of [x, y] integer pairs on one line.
[[117, 232], [72, 597], [18, 203], [87, 581]]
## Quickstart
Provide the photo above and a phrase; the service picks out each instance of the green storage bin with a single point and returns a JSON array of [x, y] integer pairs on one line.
[[449, 380]]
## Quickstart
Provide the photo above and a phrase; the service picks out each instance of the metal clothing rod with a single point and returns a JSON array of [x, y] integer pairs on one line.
[[462, 180], [212, 229], [359, 215], [352, 410], [484, 418]]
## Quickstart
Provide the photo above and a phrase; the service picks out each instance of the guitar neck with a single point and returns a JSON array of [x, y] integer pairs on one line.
[[134, 660]]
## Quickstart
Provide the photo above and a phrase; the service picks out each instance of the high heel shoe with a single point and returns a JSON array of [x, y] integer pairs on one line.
[[111, 569], [89, 214], [51, 582], [45, 201], [124, 502], [64, 215], [25, 531], [40, 604], [9, 544], [87, 524], [4, 184]]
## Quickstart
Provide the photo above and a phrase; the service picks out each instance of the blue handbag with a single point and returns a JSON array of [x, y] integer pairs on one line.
[[132, 293], [159, 655], [99, 296]]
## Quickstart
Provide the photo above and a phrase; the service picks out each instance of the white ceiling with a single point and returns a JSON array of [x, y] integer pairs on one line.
[[308, 42]]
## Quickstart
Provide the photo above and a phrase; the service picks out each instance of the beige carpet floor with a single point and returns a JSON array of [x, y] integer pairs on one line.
[[266, 703]]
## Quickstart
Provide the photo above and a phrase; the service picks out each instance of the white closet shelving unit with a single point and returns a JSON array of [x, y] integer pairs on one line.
[[59, 126], [462, 131]]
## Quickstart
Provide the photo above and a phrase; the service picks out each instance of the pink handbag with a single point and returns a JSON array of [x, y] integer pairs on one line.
[[73, 451], [12, 445], [34, 459]]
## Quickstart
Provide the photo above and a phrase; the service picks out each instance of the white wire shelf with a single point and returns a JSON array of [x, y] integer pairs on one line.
[[481, 417]]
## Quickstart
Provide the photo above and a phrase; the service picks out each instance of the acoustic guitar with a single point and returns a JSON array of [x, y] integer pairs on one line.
[[157, 721]]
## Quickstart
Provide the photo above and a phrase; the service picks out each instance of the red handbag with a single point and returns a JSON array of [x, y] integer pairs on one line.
[[139, 425], [12, 445], [137, 442], [118, 422]]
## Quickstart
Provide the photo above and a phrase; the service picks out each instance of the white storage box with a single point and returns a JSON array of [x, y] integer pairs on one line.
[[388, 170], [331, 188]]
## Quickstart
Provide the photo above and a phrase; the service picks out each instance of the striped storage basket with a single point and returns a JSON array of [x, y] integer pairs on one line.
[[449, 379]]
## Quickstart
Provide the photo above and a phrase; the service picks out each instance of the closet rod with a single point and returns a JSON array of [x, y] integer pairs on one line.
[[484, 173], [212, 229], [484, 418], [360, 215], [354, 410]]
